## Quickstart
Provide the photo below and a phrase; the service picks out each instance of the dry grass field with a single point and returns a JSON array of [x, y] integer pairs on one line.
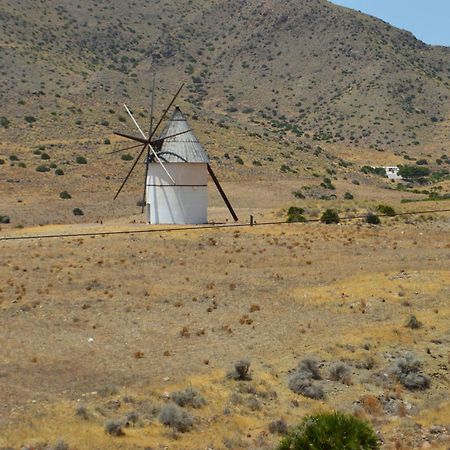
[[104, 328], [100, 335]]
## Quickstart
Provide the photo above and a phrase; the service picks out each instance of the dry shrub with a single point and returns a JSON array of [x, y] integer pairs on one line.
[[185, 332], [310, 368], [305, 386], [278, 426], [114, 428], [171, 415], [371, 405], [341, 372], [408, 370], [188, 397], [241, 371]]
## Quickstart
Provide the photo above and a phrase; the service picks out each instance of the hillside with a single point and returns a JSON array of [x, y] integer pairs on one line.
[[296, 67]]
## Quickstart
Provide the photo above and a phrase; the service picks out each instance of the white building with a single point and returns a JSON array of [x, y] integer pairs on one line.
[[186, 200], [392, 172]]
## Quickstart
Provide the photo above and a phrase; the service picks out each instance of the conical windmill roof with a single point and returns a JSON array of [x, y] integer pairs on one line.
[[184, 147]]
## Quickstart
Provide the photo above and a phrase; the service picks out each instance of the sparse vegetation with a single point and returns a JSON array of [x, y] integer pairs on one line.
[[82, 412], [414, 323], [4, 122], [386, 209], [240, 371], [278, 427], [340, 372], [372, 219], [302, 380], [295, 214], [171, 415], [77, 212], [114, 428], [81, 160], [330, 216], [408, 370], [42, 169], [64, 195], [189, 397]]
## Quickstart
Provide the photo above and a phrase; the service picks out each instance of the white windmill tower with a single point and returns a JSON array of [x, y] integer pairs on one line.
[[176, 175]]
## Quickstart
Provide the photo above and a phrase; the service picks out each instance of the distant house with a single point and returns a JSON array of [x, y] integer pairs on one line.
[[392, 172]]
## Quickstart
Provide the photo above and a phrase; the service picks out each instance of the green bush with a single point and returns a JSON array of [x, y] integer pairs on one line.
[[413, 172], [298, 194], [348, 196], [295, 214], [5, 219], [386, 209], [327, 184], [42, 169], [45, 156], [77, 212], [81, 160], [59, 172], [106, 141], [4, 122], [373, 219], [331, 431], [64, 195], [374, 170], [127, 157], [330, 216], [30, 119]]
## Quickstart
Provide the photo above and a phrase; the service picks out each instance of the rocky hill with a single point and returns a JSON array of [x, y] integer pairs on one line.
[[294, 68]]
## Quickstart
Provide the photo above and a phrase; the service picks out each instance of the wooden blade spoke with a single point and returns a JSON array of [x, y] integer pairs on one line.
[[123, 149], [135, 122], [160, 140], [165, 112], [151, 106], [133, 138], [131, 170]]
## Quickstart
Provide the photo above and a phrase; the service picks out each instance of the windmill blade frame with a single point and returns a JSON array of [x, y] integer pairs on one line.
[[149, 144], [131, 170]]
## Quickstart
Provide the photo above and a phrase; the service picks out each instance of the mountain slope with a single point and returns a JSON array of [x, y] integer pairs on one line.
[[305, 66]]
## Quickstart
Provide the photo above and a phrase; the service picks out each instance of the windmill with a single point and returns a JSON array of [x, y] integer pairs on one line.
[[176, 170]]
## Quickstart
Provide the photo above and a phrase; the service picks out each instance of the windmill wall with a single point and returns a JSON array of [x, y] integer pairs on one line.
[[186, 202]]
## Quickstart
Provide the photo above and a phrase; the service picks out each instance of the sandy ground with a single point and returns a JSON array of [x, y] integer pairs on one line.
[[98, 320]]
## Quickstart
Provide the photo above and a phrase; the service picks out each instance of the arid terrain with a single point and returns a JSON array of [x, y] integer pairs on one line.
[[296, 103], [116, 323]]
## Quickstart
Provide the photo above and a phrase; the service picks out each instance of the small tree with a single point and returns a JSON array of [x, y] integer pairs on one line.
[[330, 216], [77, 212], [336, 431]]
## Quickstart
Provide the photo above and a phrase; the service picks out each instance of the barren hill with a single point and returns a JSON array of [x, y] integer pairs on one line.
[[296, 67]]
